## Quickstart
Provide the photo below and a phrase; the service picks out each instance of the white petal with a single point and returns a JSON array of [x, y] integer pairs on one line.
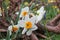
[[10, 28], [21, 15], [40, 16], [44, 12], [24, 30], [25, 9], [34, 28], [27, 18], [40, 10], [29, 32], [33, 19], [21, 23]]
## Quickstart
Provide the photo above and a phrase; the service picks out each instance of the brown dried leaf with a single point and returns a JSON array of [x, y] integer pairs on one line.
[[33, 37]]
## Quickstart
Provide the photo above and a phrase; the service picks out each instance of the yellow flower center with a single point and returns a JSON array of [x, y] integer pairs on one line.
[[15, 28], [28, 25], [24, 13]]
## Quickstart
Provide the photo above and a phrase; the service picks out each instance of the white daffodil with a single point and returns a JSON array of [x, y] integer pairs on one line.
[[41, 13], [28, 25], [13, 28], [24, 12], [0, 12]]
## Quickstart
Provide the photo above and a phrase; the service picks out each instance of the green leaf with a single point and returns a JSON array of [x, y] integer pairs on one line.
[[8, 35], [17, 33], [32, 6], [7, 2], [6, 12], [16, 21]]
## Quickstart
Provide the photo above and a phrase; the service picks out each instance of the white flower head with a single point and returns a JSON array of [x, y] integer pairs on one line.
[[24, 11], [28, 25], [13, 28], [41, 13]]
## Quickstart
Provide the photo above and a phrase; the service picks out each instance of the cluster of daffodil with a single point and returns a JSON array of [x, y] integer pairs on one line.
[[27, 23]]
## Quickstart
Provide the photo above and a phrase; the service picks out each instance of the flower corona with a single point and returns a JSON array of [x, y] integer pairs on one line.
[[24, 13], [28, 25], [14, 28]]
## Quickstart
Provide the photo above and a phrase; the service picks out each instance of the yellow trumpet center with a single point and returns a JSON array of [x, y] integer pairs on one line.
[[24, 13], [28, 25], [15, 28]]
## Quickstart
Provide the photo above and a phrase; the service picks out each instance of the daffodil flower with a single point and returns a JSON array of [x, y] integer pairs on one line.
[[13, 28], [41, 13], [24, 12], [28, 24]]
